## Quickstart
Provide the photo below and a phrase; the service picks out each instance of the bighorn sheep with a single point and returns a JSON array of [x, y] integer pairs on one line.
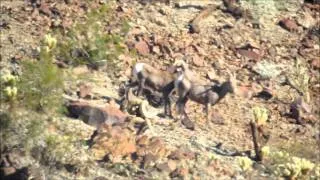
[[147, 77], [208, 94]]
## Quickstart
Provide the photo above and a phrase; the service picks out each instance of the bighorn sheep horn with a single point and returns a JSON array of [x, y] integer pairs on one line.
[[145, 109]]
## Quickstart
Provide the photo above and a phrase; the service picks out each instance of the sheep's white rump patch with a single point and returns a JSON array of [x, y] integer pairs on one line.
[[178, 80], [137, 68]]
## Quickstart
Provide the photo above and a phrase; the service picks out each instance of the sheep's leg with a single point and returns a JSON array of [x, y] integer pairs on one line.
[[167, 106], [181, 106], [167, 103], [207, 111], [213, 98], [141, 86]]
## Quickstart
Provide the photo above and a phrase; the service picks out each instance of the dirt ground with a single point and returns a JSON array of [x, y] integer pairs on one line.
[[217, 47]]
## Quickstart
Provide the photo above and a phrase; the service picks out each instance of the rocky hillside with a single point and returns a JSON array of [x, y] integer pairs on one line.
[[65, 65]]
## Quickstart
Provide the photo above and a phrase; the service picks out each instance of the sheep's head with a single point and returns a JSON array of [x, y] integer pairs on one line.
[[180, 66]]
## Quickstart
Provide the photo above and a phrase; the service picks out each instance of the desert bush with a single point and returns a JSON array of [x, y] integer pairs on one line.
[[66, 144], [89, 42], [41, 82], [298, 77], [35, 94]]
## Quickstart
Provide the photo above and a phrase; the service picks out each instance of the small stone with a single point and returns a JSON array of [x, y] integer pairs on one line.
[[216, 118], [143, 140], [316, 63], [142, 48], [197, 61], [244, 91], [249, 54], [306, 20], [288, 24], [84, 91], [160, 21], [180, 172], [156, 50], [149, 160], [211, 75], [188, 123], [167, 166], [44, 8], [7, 171], [80, 70], [182, 154]]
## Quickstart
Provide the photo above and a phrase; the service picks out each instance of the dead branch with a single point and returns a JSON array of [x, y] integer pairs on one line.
[[255, 139]]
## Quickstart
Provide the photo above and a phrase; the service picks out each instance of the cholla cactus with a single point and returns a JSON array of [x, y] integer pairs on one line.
[[260, 115], [8, 85], [245, 163], [288, 166], [317, 171], [50, 42], [11, 92], [265, 151], [9, 79]]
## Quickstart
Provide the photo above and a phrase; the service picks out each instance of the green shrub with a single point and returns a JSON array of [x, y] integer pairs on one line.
[[41, 82], [298, 77], [5, 122], [89, 43]]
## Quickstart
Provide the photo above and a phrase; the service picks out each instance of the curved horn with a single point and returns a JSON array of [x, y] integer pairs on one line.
[[147, 111]]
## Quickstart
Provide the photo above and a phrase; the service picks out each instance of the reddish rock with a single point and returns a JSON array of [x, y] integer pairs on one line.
[[142, 47], [199, 50], [143, 140], [249, 54], [6, 171], [95, 116], [180, 172], [182, 154], [288, 24], [244, 91], [151, 149], [149, 160], [301, 111], [216, 118], [66, 23], [316, 63], [311, 6], [198, 61], [114, 142], [44, 8]]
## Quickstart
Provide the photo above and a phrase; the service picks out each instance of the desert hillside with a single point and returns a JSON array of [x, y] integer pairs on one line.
[[70, 108]]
